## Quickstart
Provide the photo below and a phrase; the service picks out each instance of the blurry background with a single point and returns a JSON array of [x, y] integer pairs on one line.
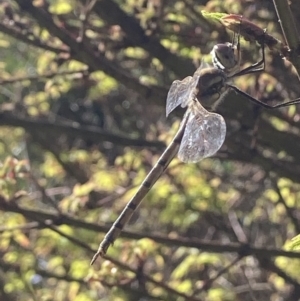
[[82, 115]]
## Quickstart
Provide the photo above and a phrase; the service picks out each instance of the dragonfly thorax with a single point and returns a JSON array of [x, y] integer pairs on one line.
[[211, 86]]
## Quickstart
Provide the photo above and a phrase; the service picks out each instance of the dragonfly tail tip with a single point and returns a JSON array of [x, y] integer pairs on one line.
[[94, 258], [100, 252]]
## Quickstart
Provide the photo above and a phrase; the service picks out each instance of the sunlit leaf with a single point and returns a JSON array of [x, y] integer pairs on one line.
[[294, 244], [61, 7], [213, 16]]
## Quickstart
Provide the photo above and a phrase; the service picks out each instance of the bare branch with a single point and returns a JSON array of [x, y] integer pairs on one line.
[[36, 43], [289, 29], [73, 129], [215, 247], [113, 14], [37, 77], [84, 53]]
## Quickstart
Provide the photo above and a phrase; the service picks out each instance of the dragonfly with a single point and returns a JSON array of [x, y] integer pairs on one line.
[[201, 133]]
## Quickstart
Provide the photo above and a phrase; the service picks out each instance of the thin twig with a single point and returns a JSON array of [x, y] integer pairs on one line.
[[74, 129], [289, 30], [88, 55], [236, 227], [289, 211], [210, 281], [112, 13], [18, 269], [161, 284], [43, 191], [152, 280], [11, 80], [267, 264], [24, 227], [36, 43]]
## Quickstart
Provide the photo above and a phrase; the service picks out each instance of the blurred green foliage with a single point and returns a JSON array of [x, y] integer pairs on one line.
[[80, 89]]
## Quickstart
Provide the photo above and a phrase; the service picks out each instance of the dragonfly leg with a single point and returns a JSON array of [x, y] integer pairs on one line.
[[260, 103], [257, 67], [236, 36]]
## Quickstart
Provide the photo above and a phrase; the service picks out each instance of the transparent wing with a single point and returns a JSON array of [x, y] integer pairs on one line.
[[204, 135], [203, 65], [181, 91], [178, 93]]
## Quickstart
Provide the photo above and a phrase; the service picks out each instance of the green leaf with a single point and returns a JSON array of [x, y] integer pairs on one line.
[[61, 7], [213, 16], [294, 244]]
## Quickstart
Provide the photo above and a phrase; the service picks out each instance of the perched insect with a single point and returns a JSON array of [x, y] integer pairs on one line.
[[201, 133]]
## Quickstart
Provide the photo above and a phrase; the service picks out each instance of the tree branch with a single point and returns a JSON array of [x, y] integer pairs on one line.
[[83, 53], [36, 43], [289, 30], [11, 80], [74, 129], [215, 247], [111, 12]]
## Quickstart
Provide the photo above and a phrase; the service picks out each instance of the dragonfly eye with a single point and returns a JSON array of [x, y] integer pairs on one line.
[[223, 56]]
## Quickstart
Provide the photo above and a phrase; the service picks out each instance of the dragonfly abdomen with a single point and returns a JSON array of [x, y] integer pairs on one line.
[[144, 188]]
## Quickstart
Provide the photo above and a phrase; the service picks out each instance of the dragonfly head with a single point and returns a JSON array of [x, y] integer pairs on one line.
[[223, 56], [211, 86]]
